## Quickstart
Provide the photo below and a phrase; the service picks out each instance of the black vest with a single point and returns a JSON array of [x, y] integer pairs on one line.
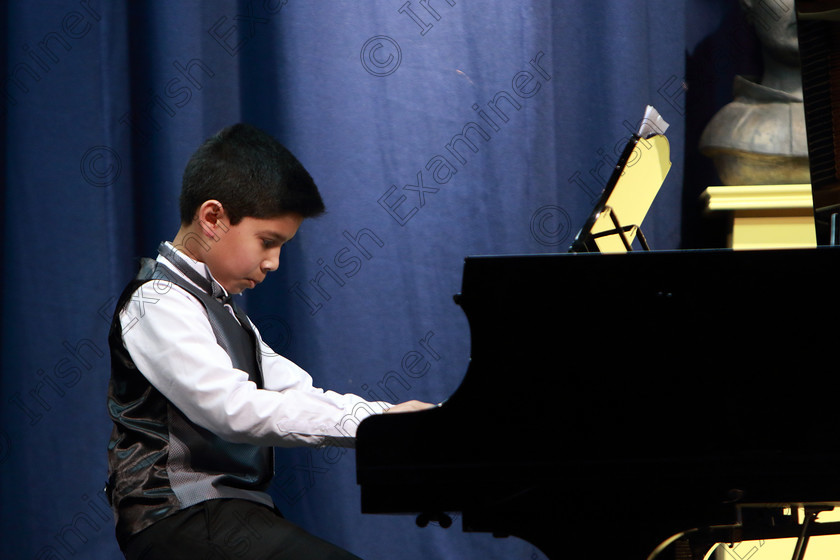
[[159, 462]]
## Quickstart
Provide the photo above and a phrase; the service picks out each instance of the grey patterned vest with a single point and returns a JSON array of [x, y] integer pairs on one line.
[[160, 462]]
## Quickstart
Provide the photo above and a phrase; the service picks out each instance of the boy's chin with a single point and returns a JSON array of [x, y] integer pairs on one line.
[[246, 284], [236, 287]]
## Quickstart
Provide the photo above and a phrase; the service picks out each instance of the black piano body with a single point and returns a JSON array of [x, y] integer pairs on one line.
[[612, 401]]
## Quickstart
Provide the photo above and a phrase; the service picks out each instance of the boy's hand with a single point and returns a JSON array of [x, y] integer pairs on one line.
[[409, 406]]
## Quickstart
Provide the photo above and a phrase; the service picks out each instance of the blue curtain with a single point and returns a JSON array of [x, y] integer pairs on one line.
[[435, 130]]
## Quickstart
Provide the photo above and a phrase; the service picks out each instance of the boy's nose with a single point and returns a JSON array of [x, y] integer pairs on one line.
[[270, 264]]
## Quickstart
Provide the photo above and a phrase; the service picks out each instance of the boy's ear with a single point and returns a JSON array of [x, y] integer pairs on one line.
[[213, 218]]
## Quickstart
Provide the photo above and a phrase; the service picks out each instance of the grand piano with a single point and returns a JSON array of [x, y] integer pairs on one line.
[[678, 399]]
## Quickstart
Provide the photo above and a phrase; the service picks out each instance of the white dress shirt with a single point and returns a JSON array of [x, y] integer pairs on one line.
[[168, 334]]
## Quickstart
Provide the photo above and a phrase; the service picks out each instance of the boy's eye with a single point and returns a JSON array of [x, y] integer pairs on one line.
[[269, 243]]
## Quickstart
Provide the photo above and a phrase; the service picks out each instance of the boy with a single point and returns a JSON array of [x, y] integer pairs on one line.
[[196, 397]]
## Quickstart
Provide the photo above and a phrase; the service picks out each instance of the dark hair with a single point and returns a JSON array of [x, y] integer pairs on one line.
[[251, 174]]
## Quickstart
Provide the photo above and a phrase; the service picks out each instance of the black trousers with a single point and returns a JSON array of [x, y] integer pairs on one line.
[[226, 529]]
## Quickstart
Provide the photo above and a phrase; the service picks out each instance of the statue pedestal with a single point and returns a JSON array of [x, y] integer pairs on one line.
[[766, 216]]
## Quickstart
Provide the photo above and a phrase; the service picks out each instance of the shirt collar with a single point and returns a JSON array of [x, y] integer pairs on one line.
[[217, 290]]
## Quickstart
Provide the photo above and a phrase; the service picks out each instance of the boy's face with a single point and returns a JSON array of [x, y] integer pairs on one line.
[[243, 254]]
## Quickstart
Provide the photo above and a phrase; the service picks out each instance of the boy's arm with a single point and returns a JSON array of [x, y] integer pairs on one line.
[[173, 346], [273, 362]]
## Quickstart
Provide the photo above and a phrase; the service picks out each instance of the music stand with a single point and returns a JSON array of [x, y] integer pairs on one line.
[[628, 195]]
